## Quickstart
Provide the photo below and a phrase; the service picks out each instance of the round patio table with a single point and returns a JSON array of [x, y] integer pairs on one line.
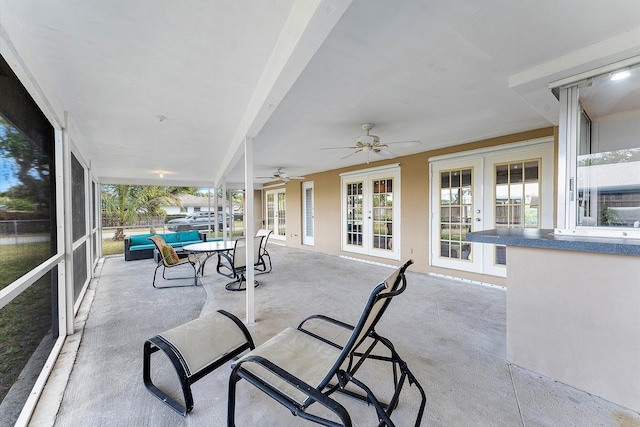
[[221, 248]]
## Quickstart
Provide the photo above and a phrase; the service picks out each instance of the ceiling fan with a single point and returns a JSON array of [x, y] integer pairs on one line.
[[369, 143], [280, 175]]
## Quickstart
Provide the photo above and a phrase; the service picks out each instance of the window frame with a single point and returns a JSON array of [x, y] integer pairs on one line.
[[569, 142]]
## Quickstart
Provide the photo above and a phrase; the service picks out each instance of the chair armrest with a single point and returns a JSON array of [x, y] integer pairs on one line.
[[327, 319], [296, 382]]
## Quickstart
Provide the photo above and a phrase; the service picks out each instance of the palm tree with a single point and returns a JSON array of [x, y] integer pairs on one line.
[[123, 204]]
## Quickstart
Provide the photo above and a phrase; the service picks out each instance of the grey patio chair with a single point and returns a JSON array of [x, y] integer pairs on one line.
[[169, 259], [264, 254], [236, 263], [299, 367]]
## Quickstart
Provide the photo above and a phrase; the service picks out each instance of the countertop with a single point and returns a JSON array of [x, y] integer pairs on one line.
[[546, 239]]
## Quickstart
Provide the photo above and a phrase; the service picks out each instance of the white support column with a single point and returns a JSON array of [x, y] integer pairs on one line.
[[209, 229], [61, 233], [249, 227], [68, 237], [224, 211], [216, 227]]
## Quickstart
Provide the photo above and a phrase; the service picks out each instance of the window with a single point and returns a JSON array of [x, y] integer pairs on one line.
[[600, 133], [28, 320]]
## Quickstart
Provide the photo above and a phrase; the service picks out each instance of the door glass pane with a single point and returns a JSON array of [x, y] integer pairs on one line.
[[270, 211], [517, 195], [281, 214], [308, 197], [354, 213], [382, 214], [456, 208]]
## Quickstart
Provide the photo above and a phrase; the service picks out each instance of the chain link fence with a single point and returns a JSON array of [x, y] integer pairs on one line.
[[25, 231]]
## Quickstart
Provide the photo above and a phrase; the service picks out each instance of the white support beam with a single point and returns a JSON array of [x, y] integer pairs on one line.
[[249, 227], [68, 238], [307, 27], [224, 211]]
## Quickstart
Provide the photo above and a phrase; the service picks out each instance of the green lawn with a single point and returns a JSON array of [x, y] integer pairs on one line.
[[26, 319]]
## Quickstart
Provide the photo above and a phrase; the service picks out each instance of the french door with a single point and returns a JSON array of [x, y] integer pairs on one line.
[[507, 188], [457, 209], [371, 212], [276, 214], [307, 213]]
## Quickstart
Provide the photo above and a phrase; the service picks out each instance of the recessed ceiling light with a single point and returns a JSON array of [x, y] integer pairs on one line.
[[620, 75]]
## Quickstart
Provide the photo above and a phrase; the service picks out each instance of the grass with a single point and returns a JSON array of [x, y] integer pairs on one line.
[[26, 320], [112, 247]]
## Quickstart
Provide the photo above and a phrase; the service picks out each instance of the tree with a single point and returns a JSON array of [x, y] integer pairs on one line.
[[123, 204], [32, 165]]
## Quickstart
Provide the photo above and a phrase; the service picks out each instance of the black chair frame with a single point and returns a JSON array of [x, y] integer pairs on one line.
[[184, 260], [186, 379], [239, 273], [356, 351], [261, 265]]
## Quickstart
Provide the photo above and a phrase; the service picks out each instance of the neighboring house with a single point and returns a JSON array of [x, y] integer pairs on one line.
[[192, 204]]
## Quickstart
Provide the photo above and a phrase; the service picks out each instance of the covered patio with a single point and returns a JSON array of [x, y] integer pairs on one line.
[[451, 333]]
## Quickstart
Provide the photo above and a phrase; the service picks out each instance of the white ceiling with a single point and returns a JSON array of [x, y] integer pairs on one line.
[[297, 76]]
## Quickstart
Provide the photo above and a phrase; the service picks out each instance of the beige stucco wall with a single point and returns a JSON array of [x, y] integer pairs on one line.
[[577, 319], [414, 209]]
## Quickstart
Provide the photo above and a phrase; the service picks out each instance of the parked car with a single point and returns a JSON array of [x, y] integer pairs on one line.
[[194, 221]]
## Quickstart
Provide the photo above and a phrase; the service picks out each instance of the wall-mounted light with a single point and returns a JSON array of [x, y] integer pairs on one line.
[[620, 75]]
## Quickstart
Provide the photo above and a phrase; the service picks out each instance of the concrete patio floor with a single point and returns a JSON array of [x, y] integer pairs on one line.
[[451, 334]]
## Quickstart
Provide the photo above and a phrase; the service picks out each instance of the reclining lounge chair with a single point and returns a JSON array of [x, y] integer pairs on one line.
[[298, 367]]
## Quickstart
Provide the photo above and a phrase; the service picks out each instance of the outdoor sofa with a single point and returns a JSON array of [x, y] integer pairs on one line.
[[139, 246]]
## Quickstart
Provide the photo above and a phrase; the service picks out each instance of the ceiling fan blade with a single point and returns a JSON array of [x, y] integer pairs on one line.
[[339, 148], [296, 177], [385, 153], [351, 154], [403, 144]]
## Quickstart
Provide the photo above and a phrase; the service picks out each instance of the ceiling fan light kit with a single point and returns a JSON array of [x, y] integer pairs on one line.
[[369, 143], [279, 175]]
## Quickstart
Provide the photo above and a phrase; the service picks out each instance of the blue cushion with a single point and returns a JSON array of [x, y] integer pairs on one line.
[[140, 239], [188, 236], [171, 237], [142, 247]]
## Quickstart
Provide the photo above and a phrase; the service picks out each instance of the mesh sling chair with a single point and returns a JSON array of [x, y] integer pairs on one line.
[[298, 367], [237, 263], [264, 254], [169, 259]]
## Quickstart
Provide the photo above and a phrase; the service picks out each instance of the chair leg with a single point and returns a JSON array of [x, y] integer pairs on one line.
[[154, 275], [231, 404], [164, 268], [266, 254], [236, 285]]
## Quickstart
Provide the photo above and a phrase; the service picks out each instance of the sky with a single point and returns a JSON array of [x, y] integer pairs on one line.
[[7, 174]]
